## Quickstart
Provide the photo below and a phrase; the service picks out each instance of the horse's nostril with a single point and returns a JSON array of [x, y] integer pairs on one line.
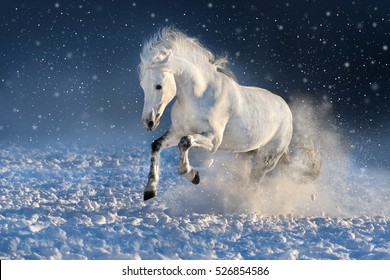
[[150, 124]]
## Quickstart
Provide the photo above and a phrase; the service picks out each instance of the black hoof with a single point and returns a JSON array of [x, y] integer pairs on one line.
[[148, 195], [196, 179]]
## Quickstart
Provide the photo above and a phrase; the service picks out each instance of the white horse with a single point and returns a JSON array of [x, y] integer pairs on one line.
[[211, 111]]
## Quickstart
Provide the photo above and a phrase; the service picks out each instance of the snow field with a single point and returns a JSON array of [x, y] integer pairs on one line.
[[73, 203]]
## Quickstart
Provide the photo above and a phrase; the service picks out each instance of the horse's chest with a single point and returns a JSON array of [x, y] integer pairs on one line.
[[189, 119]]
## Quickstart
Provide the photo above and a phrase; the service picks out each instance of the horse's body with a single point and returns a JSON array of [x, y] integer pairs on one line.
[[212, 111]]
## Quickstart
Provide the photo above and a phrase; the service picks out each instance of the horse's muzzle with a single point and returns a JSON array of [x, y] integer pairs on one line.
[[152, 122], [150, 125]]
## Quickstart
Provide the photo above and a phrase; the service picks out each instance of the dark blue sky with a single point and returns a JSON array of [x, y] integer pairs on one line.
[[68, 69]]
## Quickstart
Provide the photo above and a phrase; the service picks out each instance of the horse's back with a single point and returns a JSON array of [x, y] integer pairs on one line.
[[269, 108]]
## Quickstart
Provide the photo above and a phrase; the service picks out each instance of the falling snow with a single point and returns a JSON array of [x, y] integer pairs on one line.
[[69, 77]]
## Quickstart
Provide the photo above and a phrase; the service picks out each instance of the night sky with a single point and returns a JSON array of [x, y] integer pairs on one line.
[[68, 69]]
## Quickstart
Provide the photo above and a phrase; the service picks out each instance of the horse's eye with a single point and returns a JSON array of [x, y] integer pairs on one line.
[[158, 87]]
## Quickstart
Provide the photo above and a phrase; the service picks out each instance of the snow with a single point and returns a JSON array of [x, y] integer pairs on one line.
[[67, 202], [69, 73]]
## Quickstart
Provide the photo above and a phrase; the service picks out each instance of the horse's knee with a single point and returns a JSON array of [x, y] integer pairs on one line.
[[185, 143], [156, 145]]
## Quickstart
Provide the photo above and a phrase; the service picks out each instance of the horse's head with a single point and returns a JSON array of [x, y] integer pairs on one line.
[[159, 89]]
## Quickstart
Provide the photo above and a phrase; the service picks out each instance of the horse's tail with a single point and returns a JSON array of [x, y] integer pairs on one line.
[[302, 163]]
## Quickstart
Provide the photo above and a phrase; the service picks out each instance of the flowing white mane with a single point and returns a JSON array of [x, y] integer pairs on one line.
[[170, 38]]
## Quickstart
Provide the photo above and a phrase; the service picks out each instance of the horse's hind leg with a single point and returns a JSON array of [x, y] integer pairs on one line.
[[243, 172], [264, 160]]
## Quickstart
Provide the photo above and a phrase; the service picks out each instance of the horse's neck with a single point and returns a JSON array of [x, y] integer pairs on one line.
[[191, 79]]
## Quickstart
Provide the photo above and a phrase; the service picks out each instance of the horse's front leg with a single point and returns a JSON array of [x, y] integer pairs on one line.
[[168, 139], [203, 141]]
